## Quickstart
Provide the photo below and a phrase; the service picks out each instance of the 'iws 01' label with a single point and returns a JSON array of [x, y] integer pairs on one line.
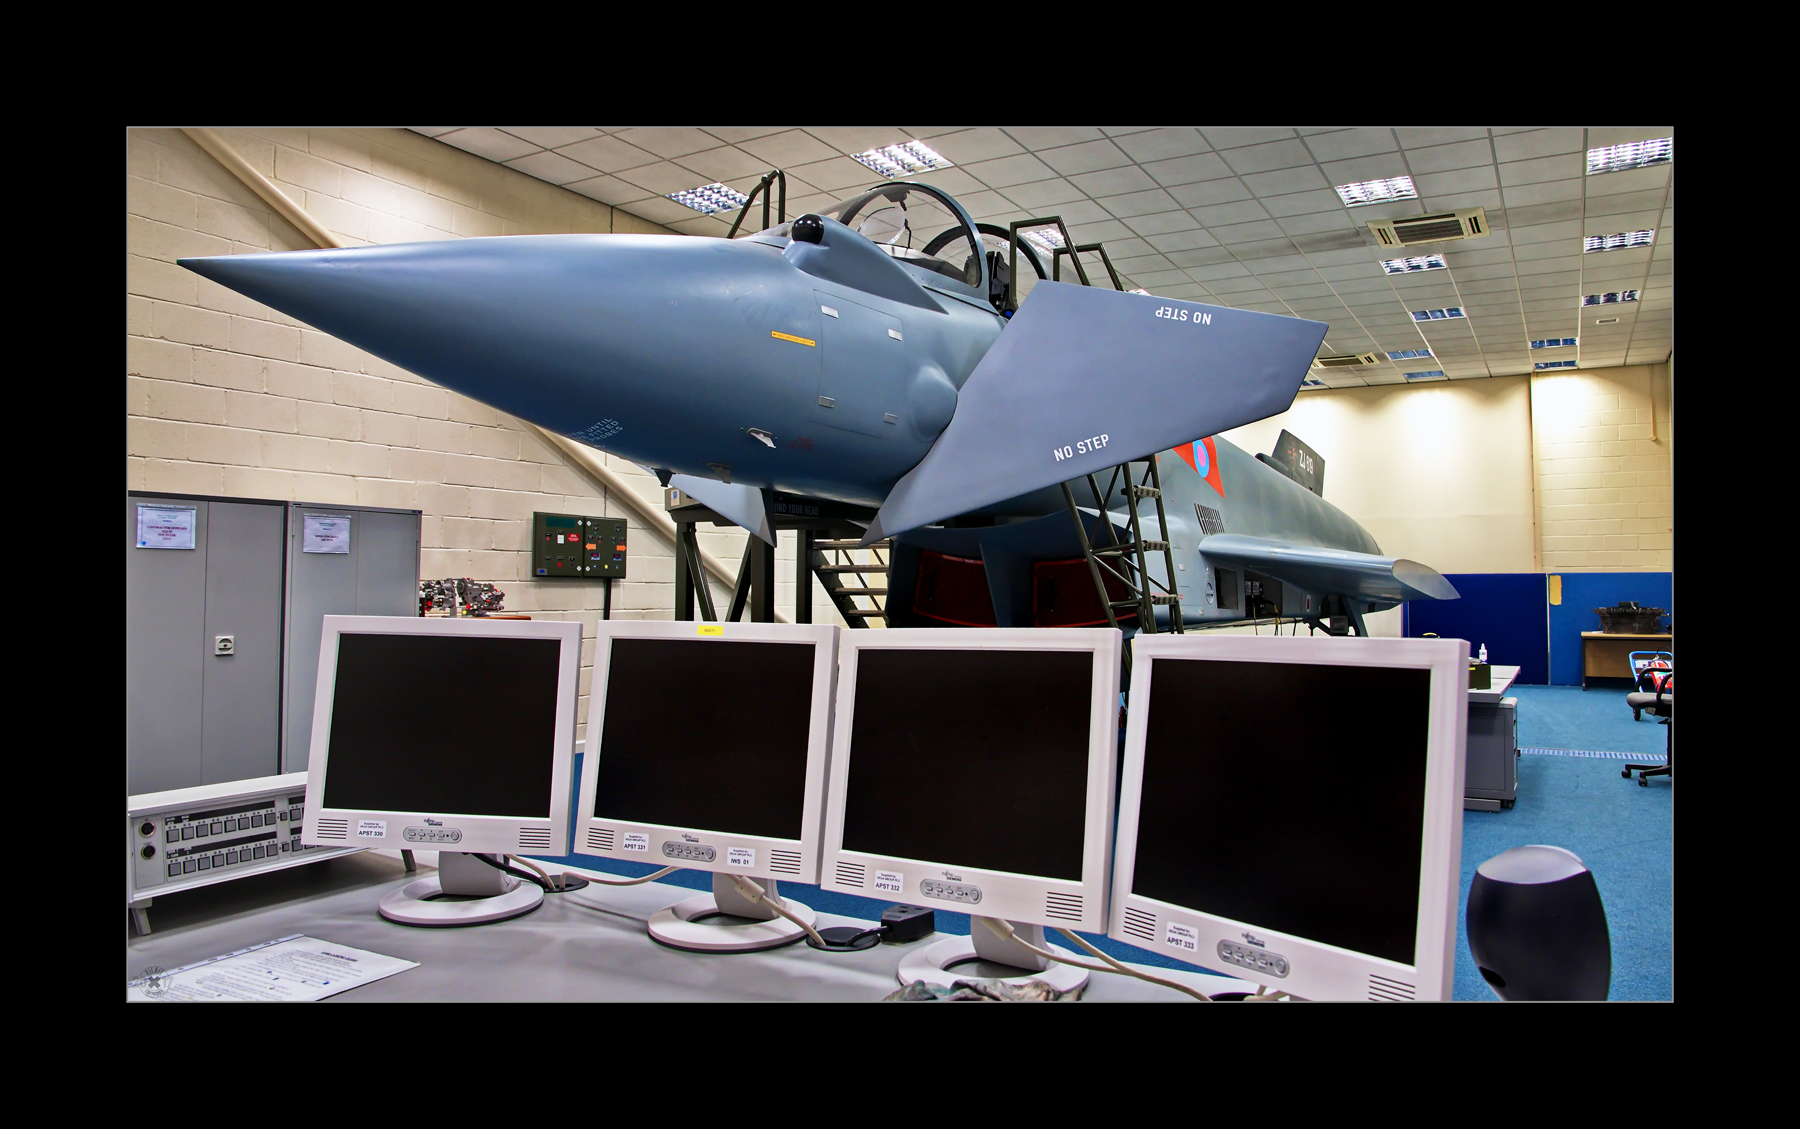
[[890, 882], [1183, 937], [636, 841], [741, 857]]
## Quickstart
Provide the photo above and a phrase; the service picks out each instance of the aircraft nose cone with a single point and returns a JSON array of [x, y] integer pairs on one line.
[[562, 330]]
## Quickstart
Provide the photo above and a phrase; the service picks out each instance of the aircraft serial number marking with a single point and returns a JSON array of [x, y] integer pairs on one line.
[[1192, 317], [1069, 451]]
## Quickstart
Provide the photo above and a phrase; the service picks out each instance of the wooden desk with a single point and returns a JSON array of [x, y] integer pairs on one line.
[[1608, 656]]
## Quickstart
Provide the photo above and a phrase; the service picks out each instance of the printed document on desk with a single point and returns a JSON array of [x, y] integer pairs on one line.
[[293, 969]]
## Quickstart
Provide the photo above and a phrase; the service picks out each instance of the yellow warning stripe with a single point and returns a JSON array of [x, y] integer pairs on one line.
[[791, 337]]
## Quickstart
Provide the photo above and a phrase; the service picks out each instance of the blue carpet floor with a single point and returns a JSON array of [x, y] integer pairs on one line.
[[1624, 833]]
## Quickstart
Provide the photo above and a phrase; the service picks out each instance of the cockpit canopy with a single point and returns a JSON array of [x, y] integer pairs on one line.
[[914, 224]]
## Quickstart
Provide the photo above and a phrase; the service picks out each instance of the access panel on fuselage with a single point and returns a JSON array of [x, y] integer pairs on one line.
[[862, 368]]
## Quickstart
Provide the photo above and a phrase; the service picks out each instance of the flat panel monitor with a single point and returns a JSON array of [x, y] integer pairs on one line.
[[973, 770], [707, 746], [454, 735], [1291, 810]]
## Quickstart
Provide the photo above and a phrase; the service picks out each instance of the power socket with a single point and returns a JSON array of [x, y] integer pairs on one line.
[[904, 924]]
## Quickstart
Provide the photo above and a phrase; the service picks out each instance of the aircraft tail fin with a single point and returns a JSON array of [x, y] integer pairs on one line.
[[1298, 461], [1083, 379]]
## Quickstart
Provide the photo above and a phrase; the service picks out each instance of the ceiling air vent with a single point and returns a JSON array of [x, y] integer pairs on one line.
[[1353, 360], [1464, 223]]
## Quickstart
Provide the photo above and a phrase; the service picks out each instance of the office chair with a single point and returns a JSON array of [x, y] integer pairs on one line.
[[1660, 703], [1649, 668]]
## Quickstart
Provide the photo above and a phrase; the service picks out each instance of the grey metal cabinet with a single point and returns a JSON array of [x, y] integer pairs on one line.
[[377, 575], [203, 645], [1491, 776]]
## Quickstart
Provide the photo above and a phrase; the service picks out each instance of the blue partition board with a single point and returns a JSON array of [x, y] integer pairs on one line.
[[1582, 592], [1504, 610]]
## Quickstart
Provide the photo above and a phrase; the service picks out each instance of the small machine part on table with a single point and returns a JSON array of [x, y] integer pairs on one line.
[[1608, 654]]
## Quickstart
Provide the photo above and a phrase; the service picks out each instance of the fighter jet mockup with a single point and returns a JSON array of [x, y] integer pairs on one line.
[[871, 354]]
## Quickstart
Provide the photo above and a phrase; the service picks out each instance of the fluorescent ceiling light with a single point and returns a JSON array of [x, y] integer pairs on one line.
[[1377, 191], [1312, 384], [1619, 241], [1432, 375], [1416, 263], [902, 160], [1409, 354], [1046, 238], [1542, 365], [1438, 315], [1553, 343], [710, 198], [1609, 298], [1632, 155]]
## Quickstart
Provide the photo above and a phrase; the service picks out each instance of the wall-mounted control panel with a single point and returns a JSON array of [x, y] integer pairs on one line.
[[190, 837], [574, 547]]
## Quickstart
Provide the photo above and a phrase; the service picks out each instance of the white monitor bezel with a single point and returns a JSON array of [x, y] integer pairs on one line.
[[1316, 970], [1015, 897], [593, 832], [486, 834]]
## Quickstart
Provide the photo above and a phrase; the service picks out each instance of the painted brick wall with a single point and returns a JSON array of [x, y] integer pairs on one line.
[[1605, 486], [225, 396]]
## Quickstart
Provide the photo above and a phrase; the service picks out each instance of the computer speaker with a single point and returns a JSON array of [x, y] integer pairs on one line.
[[1537, 928]]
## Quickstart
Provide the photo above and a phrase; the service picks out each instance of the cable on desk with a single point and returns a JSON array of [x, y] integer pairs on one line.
[[549, 886], [756, 893], [1006, 931]]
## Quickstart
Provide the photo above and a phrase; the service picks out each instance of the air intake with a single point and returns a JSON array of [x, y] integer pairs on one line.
[[600, 839], [1464, 223], [1353, 360], [852, 874], [332, 829], [784, 862], [1063, 907], [1395, 991], [1140, 924], [534, 838]]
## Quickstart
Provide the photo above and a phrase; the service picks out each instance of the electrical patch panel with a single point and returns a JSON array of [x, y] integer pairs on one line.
[[190, 837]]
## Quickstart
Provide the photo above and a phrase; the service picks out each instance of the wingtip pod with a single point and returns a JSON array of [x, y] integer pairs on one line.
[[1425, 580], [1084, 379]]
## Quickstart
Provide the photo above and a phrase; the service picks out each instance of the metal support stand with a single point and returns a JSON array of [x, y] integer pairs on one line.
[[606, 607], [406, 858], [140, 914], [762, 580], [691, 587], [803, 575]]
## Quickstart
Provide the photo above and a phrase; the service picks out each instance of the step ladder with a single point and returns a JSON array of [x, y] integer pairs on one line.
[[1126, 561], [848, 580]]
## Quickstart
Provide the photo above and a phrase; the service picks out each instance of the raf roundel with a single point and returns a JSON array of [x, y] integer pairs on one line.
[[1202, 463]]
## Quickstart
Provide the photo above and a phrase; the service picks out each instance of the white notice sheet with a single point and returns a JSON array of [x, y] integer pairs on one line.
[[165, 527], [293, 969], [325, 533]]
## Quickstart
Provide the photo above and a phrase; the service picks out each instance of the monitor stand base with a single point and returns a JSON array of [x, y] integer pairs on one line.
[[680, 927], [492, 896], [934, 964]]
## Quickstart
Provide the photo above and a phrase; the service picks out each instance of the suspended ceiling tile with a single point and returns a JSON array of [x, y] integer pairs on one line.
[[660, 178], [1038, 138], [1625, 134], [1183, 240], [1021, 168], [658, 210], [551, 168], [833, 175], [1445, 158], [1436, 184], [668, 141], [1217, 215], [781, 150], [552, 137], [1232, 136], [1113, 182], [1417, 137], [725, 163], [1163, 144], [1544, 192], [847, 139], [968, 146], [1570, 166], [1310, 203], [608, 154], [608, 190], [1382, 167], [1346, 144], [1187, 170], [1091, 156], [1628, 180], [1535, 143], [1209, 192], [1281, 182], [1263, 158], [1315, 221], [485, 141], [1138, 203], [1162, 223], [732, 134], [1624, 202], [955, 181]]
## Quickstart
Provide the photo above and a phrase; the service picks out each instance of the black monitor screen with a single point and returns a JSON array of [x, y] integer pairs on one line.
[[971, 758], [707, 733], [443, 724], [1289, 796]]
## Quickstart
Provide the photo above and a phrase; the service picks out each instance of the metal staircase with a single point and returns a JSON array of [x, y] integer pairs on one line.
[[846, 580], [1125, 561]]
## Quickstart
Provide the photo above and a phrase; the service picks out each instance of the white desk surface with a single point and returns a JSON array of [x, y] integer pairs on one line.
[[590, 944], [1499, 678]]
